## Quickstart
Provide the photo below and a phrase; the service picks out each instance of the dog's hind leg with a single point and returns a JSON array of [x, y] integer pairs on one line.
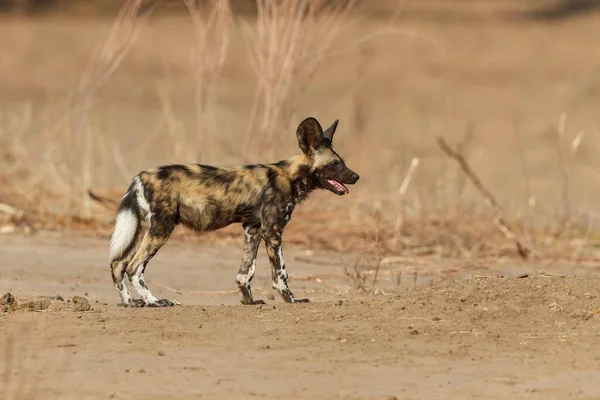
[[118, 268], [137, 266], [158, 234], [126, 239], [248, 266]]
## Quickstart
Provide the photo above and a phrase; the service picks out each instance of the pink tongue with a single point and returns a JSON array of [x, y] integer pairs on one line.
[[338, 185]]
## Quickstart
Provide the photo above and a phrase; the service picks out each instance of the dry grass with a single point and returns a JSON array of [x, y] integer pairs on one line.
[[212, 34], [288, 42], [91, 101]]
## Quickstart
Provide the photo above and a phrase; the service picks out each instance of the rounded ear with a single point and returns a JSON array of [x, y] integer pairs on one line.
[[329, 132], [310, 135]]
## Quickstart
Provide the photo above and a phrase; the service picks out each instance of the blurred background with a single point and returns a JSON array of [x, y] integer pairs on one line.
[[94, 91]]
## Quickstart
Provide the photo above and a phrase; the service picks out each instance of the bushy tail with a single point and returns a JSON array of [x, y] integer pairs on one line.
[[127, 222]]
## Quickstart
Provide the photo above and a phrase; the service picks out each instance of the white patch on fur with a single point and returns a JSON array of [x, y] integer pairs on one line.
[[141, 199], [125, 228], [244, 280], [142, 291], [247, 233], [280, 255], [125, 296], [280, 284]]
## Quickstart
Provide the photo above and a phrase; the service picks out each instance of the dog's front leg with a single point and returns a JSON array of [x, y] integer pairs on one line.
[[278, 271], [248, 266]]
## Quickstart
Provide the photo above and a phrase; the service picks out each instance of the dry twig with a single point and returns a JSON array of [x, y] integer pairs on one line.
[[565, 164], [107, 202], [377, 243], [402, 193], [523, 248], [6, 209]]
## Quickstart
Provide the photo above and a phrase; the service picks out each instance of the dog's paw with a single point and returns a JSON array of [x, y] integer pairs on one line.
[[162, 303], [133, 303]]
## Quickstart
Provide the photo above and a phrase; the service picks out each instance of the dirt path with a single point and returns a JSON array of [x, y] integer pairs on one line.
[[458, 338]]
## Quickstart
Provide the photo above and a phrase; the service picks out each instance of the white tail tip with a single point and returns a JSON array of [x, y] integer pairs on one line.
[[125, 228]]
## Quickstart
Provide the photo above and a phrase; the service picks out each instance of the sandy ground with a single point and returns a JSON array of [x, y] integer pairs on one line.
[[461, 330]]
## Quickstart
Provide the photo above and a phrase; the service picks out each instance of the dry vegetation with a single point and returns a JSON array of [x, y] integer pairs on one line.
[[90, 101]]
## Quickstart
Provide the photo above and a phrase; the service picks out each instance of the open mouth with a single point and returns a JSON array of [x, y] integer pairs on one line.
[[340, 187]]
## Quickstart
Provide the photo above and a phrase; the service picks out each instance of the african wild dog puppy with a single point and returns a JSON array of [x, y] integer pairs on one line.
[[205, 198]]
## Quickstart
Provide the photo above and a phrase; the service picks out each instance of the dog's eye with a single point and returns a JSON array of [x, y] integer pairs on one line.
[[336, 163]]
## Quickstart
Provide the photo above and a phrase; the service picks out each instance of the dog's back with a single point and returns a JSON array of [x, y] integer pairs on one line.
[[207, 198]]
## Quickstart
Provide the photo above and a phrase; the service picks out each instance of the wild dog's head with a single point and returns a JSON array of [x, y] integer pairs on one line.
[[328, 168]]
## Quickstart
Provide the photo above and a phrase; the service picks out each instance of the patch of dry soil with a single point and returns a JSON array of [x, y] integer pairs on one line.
[[470, 338]]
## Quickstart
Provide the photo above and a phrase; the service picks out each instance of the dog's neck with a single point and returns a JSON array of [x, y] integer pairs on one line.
[[300, 175]]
